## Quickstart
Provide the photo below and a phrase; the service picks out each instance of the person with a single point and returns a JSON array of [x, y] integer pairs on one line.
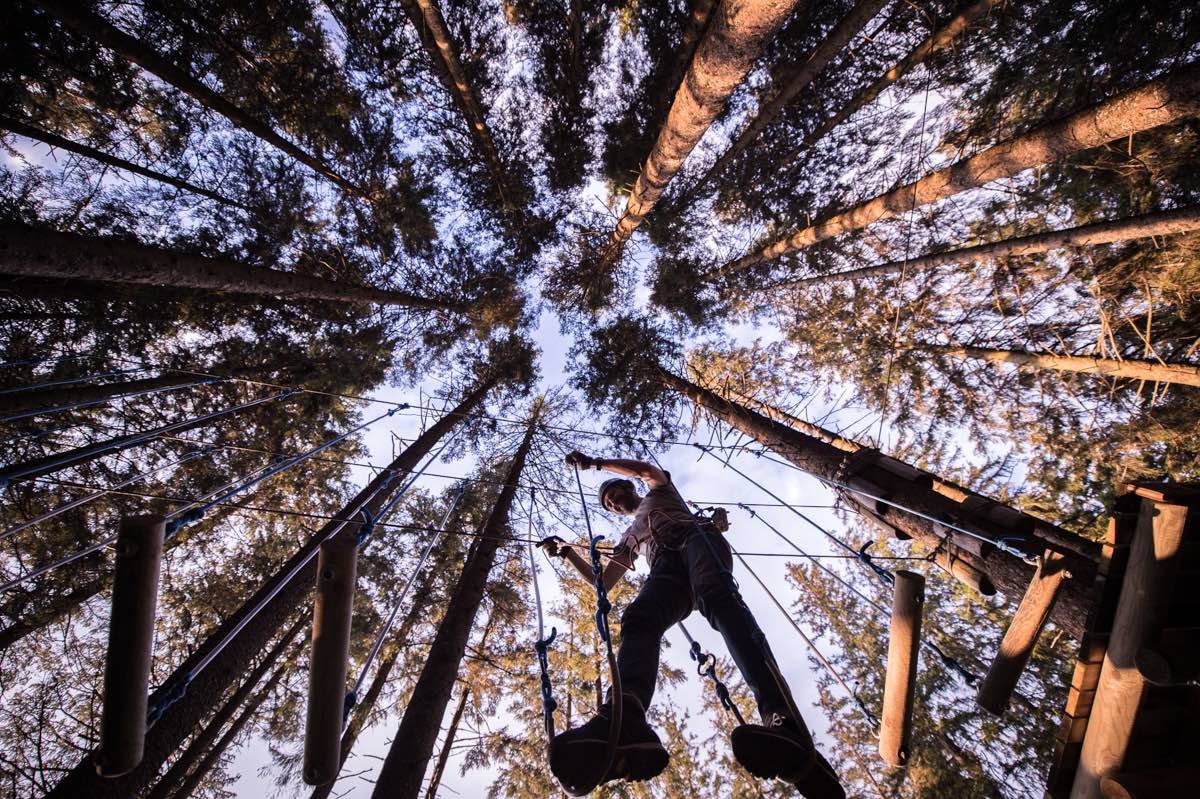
[[690, 566]]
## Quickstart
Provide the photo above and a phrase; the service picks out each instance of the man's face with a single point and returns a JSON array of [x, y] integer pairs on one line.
[[622, 499]]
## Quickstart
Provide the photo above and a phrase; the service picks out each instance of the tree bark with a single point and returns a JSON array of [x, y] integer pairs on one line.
[[250, 628], [201, 743], [735, 37], [1010, 574], [201, 771], [54, 396], [93, 25], [794, 81], [54, 140], [427, 18], [1182, 373], [34, 252], [28, 470], [1157, 223], [404, 767], [939, 40], [701, 13], [439, 768], [1160, 102]]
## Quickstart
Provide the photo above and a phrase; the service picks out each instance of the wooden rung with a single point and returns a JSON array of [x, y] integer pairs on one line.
[[1022, 634], [130, 644], [965, 573], [1167, 783], [332, 614], [904, 642]]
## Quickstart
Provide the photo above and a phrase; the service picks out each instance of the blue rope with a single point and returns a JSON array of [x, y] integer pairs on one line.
[[91, 403], [541, 645], [171, 695], [197, 514]]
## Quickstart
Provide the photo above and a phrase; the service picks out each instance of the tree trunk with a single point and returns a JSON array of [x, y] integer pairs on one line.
[[54, 140], [701, 13], [427, 18], [200, 744], [735, 37], [201, 771], [96, 27], [794, 80], [362, 711], [1157, 223], [1160, 102], [54, 396], [404, 768], [439, 768], [939, 40], [35, 252], [250, 627], [882, 478], [1181, 373], [28, 470]]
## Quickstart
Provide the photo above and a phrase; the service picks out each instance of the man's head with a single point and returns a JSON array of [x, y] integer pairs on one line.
[[619, 496]]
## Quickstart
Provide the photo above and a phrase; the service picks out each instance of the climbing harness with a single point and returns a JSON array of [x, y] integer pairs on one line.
[[352, 695], [542, 645], [603, 606], [706, 666]]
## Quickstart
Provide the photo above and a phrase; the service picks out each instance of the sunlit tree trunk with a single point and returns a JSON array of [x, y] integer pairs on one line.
[[794, 81], [1155, 371], [54, 140], [1158, 223], [439, 768], [938, 41], [404, 767], [814, 456], [735, 37], [34, 252], [249, 629], [200, 744], [1160, 102], [427, 18]]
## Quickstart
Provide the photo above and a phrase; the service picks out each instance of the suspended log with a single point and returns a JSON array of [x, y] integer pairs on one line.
[[332, 613], [899, 690], [975, 579], [1141, 611], [130, 644], [1022, 634]]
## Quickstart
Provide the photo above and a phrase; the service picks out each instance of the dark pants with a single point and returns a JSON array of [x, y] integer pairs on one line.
[[679, 580]]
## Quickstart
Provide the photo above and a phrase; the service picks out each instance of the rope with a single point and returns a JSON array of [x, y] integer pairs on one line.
[[706, 666], [71, 381], [352, 696], [125, 443], [197, 513], [73, 406], [61, 509], [603, 606], [542, 645]]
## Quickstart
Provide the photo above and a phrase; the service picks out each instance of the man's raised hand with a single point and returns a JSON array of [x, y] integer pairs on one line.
[[554, 546], [578, 460]]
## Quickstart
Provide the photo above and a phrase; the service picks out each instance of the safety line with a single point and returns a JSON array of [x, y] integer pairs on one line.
[[70, 381], [74, 406]]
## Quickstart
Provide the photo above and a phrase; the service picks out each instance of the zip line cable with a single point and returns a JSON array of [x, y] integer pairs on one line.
[[75, 503], [352, 696]]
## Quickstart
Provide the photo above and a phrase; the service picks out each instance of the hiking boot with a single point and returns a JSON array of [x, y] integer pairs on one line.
[[784, 749], [577, 756]]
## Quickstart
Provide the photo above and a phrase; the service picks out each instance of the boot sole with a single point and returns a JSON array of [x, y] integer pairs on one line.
[[584, 759], [767, 754]]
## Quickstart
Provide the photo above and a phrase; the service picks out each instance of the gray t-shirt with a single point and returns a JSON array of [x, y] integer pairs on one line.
[[662, 520]]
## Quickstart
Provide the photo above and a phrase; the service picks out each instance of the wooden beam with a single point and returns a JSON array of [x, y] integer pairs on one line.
[[1145, 594], [332, 614], [975, 579], [130, 644], [1022, 634], [904, 645]]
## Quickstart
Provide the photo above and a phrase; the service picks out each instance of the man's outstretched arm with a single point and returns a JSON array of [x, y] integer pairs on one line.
[[613, 572], [651, 474]]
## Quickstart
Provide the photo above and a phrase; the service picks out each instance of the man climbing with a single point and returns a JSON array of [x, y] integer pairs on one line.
[[690, 565]]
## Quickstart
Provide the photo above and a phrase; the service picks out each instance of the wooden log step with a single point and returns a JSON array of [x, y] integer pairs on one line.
[[904, 646]]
